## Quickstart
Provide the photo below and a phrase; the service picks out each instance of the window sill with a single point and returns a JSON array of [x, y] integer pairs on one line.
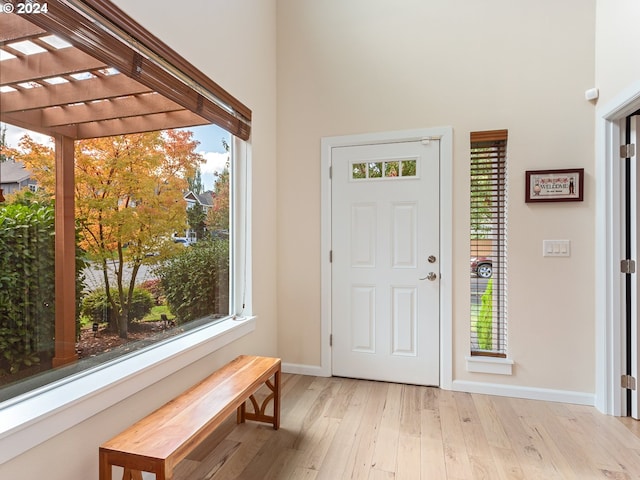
[[497, 366], [39, 415]]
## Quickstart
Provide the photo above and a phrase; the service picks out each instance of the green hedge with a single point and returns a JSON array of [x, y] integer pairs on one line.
[[96, 307], [27, 313], [27, 283], [196, 282]]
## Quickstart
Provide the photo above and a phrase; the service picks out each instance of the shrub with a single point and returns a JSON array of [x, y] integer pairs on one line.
[[97, 308], [141, 305], [154, 287], [485, 318], [27, 281], [94, 307], [27, 313], [196, 282]]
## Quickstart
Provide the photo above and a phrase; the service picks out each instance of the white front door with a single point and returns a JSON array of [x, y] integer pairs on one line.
[[385, 312]]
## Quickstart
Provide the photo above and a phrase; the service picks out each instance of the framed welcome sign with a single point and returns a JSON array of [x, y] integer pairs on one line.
[[563, 185]]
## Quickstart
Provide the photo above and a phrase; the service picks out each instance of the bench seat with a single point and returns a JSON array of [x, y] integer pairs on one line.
[[165, 437]]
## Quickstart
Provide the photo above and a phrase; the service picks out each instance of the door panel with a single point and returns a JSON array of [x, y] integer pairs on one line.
[[385, 225]]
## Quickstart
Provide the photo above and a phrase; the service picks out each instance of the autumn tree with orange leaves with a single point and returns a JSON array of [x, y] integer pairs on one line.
[[218, 216], [128, 201]]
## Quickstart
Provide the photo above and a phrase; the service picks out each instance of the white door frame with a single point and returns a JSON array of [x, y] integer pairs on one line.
[[634, 233], [610, 337], [445, 135]]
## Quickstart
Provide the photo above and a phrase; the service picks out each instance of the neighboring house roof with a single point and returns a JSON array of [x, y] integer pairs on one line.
[[13, 172], [205, 199]]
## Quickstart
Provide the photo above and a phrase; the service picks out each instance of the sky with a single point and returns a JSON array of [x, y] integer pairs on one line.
[[209, 136]]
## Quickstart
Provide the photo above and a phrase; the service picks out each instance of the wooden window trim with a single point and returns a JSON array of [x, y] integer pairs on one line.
[[489, 136]]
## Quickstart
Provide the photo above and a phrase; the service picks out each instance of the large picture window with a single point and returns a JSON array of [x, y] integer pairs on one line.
[[118, 215], [152, 223], [488, 206]]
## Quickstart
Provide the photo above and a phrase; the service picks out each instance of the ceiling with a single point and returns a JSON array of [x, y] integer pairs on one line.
[[62, 73]]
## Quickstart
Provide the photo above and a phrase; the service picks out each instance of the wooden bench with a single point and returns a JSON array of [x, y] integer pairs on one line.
[[165, 437]]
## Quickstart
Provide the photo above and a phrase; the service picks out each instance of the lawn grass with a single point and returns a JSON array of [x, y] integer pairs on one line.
[[155, 314]]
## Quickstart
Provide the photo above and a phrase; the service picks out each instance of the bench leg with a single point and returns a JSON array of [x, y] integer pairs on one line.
[[259, 411], [242, 412], [276, 400], [104, 467], [130, 473], [107, 474]]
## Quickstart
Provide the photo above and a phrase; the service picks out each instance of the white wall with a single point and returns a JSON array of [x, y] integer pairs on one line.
[[234, 44], [617, 47], [373, 65]]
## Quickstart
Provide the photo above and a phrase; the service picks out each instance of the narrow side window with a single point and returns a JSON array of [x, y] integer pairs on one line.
[[488, 252]]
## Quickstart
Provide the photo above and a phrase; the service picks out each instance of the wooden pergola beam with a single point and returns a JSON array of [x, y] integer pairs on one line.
[[147, 123], [29, 121], [70, 93], [107, 128], [15, 28], [49, 64], [121, 107], [94, 39]]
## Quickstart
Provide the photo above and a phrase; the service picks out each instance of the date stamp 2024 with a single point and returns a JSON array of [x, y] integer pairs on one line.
[[24, 8]]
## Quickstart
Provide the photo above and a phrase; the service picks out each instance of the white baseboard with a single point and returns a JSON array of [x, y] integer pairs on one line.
[[298, 369], [530, 393]]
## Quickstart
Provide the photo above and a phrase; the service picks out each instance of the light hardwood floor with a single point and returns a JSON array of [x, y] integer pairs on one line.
[[335, 428]]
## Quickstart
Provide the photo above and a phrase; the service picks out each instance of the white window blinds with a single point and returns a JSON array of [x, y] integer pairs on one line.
[[488, 165]]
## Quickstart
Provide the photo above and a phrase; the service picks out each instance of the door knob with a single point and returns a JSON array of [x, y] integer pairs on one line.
[[431, 276]]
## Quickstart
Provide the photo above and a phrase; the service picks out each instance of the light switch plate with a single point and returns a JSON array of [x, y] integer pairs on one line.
[[556, 248]]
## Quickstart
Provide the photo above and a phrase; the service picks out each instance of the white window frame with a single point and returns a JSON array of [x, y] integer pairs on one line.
[[38, 415]]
